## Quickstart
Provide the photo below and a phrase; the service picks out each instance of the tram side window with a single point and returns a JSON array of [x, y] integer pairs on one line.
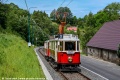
[[53, 45], [50, 45], [46, 45], [69, 45], [56, 44], [60, 46], [77, 45]]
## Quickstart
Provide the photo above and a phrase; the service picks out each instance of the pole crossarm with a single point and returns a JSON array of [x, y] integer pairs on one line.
[[30, 8]]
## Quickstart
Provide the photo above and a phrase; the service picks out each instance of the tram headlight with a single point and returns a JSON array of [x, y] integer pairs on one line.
[[70, 59]]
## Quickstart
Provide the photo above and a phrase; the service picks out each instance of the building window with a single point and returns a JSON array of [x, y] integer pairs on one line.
[[89, 50]]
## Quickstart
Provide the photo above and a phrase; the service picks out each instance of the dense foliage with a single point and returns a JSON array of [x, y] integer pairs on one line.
[[60, 13], [15, 20], [91, 23]]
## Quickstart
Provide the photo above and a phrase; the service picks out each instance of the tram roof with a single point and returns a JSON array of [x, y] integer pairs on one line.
[[66, 37]]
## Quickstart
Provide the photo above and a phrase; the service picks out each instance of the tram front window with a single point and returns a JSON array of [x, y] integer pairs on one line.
[[69, 45]]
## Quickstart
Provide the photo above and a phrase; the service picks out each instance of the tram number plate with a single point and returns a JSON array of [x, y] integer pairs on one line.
[[70, 52]]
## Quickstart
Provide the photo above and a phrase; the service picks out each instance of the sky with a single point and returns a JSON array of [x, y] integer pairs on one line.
[[79, 8]]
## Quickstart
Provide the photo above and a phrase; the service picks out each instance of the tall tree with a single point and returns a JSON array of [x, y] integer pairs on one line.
[[3, 15], [113, 10], [100, 18], [60, 12], [45, 26], [53, 15], [90, 21], [80, 22], [73, 21]]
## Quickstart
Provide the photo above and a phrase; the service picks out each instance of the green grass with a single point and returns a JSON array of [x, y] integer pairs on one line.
[[17, 60]]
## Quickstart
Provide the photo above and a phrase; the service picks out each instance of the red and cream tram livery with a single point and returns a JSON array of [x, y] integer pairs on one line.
[[46, 49], [63, 52]]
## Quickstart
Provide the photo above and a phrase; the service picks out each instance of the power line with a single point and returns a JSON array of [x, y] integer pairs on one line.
[[62, 3], [64, 9], [58, 7], [69, 3], [66, 5], [2, 1]]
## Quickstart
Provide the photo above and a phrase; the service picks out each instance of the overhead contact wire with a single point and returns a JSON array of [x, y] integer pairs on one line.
[[60, 6], [62, 3], [69, 3]]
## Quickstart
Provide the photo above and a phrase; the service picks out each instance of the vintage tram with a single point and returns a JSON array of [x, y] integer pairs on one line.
[[63, 51]]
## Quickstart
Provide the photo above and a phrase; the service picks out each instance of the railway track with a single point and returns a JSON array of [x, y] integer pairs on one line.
[[73, 76], [68, 75], [65, 78]]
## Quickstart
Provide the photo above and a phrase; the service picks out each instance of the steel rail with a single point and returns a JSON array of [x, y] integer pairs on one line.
[[79, 72], [62, 74]]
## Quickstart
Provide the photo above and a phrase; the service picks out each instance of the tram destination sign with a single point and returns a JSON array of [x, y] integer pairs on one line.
[[60, 36]]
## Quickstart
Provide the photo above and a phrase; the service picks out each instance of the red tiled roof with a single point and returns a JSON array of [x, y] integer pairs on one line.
[[72, 28], [108, 37]]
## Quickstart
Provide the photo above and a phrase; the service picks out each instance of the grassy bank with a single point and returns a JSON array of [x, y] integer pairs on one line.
[[17, 59]]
